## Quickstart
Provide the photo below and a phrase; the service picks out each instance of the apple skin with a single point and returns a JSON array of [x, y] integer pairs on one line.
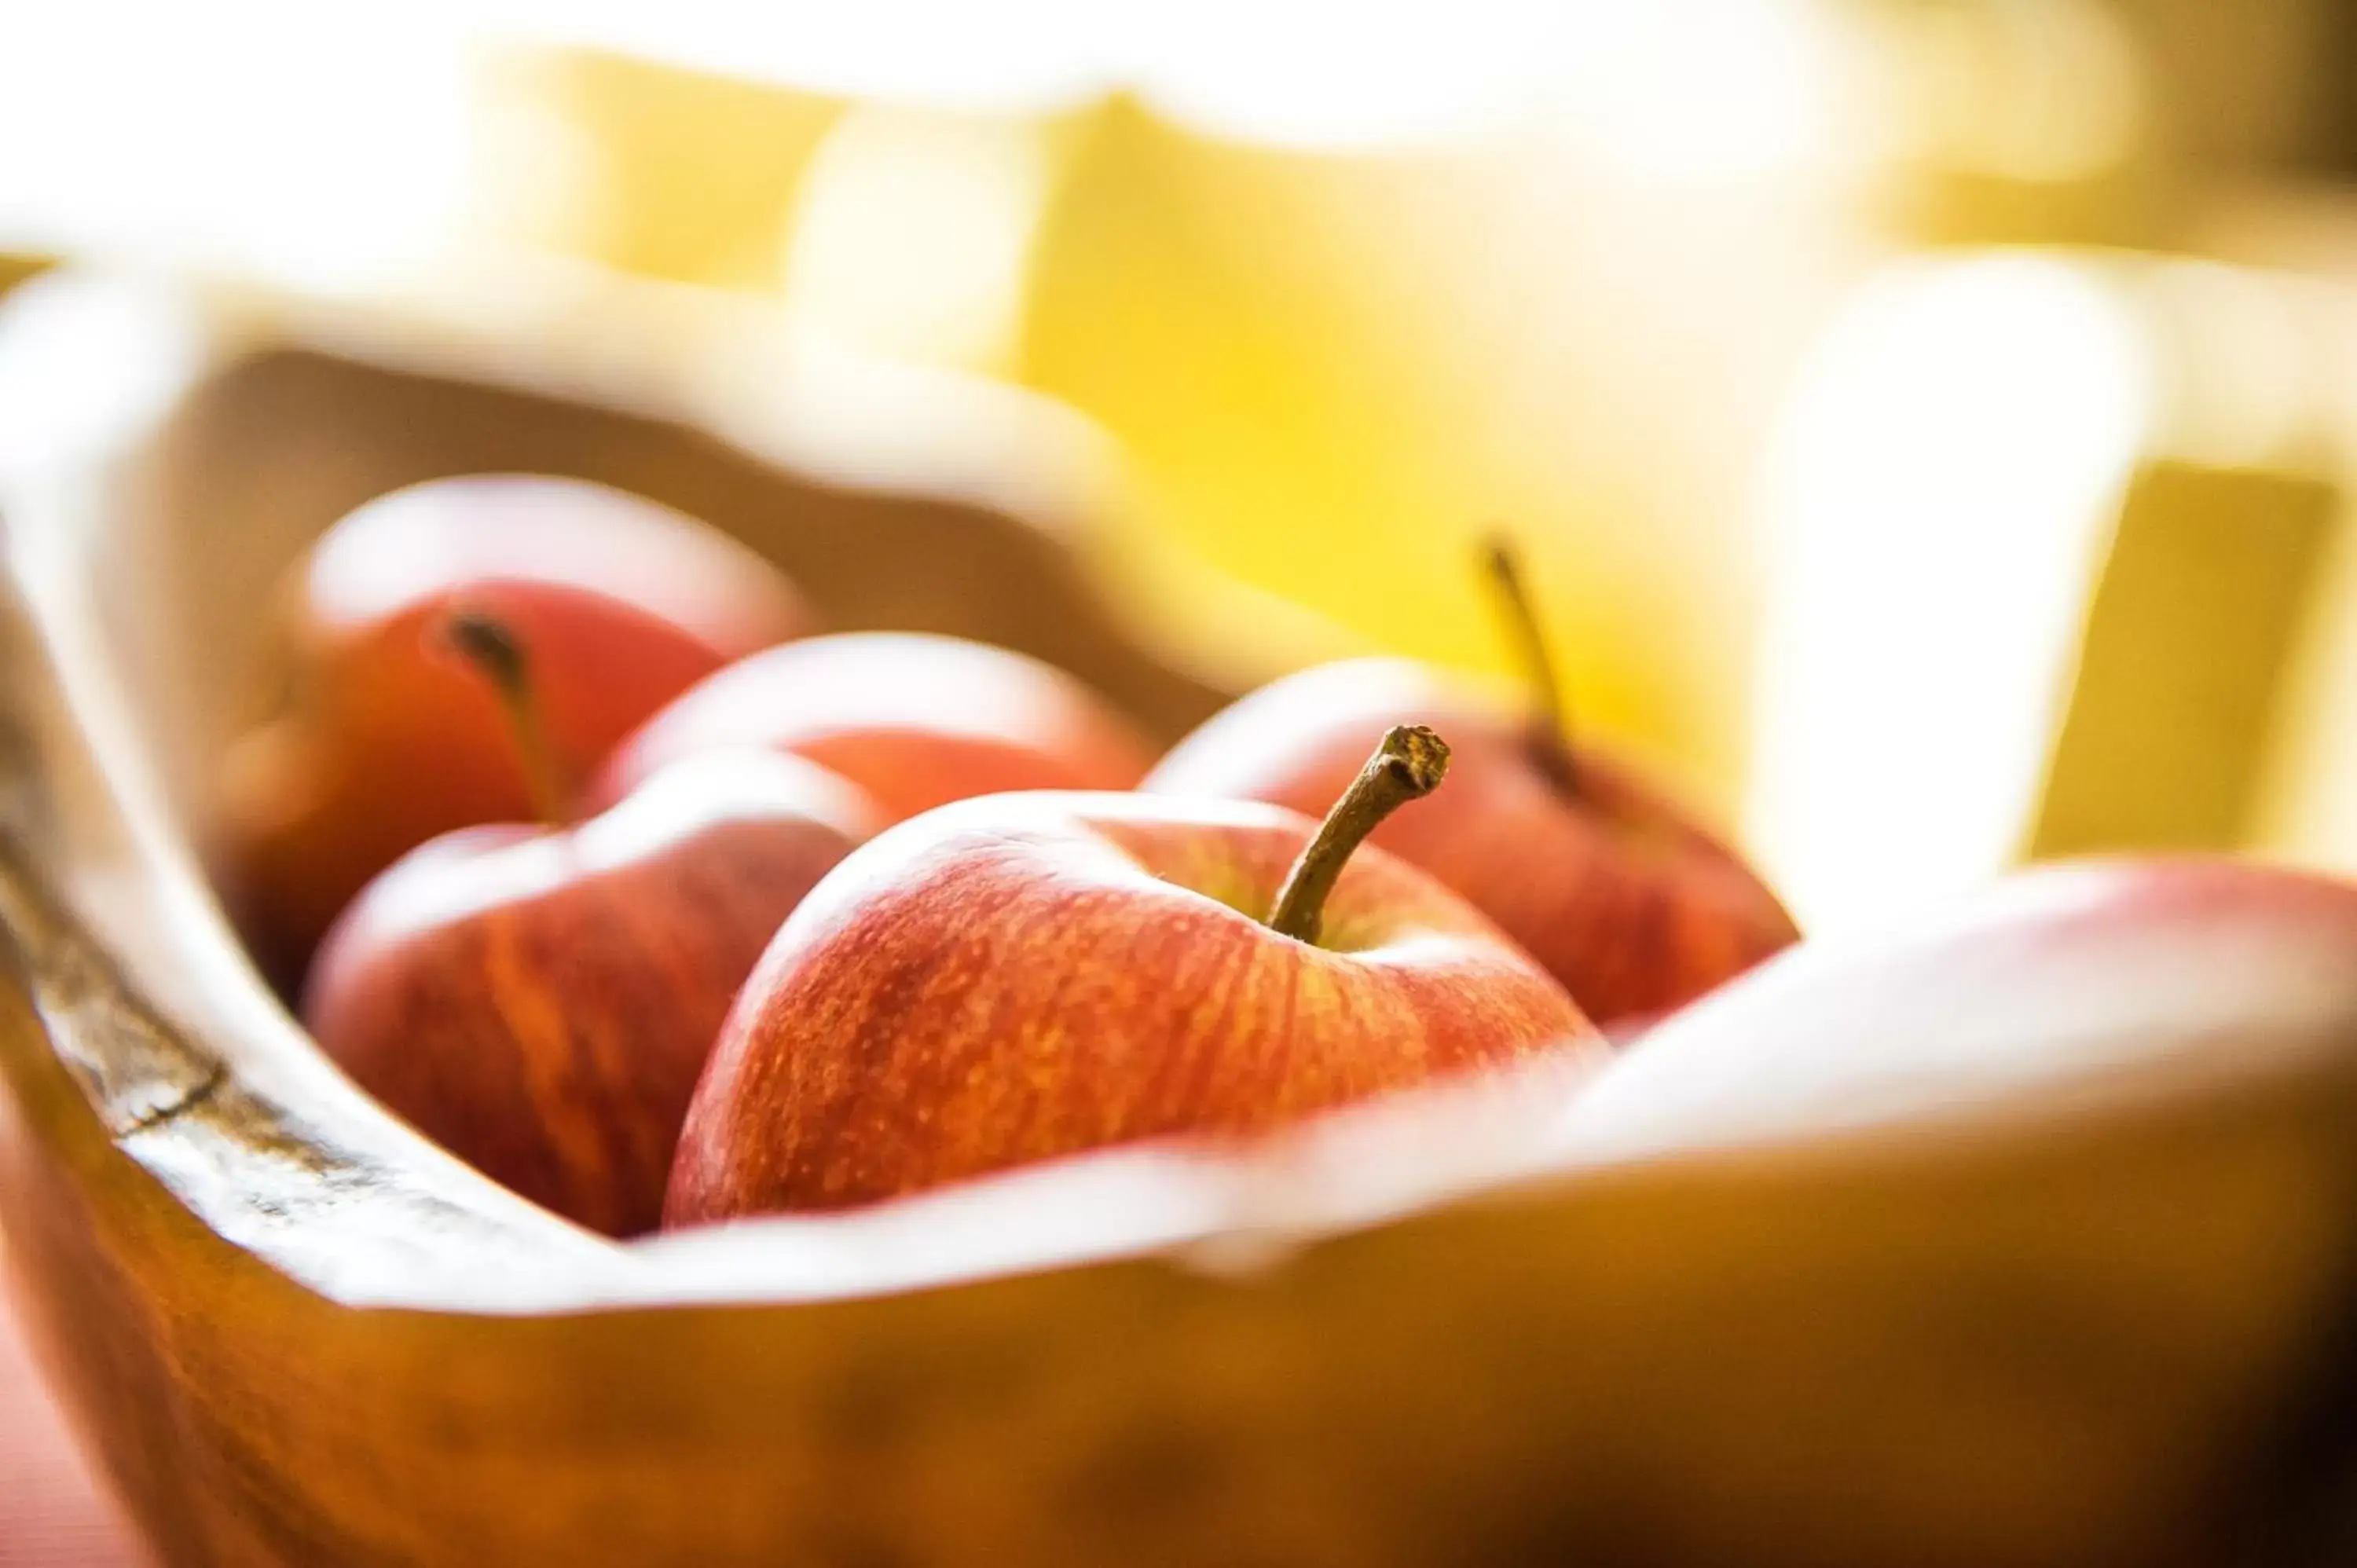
[[1024, 977], [2138, 975], [387, 738], [1624, 900], [915, 720], [540, 1002]]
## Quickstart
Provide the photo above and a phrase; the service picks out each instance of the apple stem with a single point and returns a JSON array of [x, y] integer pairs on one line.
[[1407, 765], [498, 654], [1550, 747]]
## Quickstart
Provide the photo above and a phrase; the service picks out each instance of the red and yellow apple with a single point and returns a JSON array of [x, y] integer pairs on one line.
[[540, 1000], [1023, 977], [385, 740], [1619, 894], [916, 721], [1624, 897]]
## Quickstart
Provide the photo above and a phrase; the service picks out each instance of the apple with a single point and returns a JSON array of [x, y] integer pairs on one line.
[[539, 1000], [2054, 986], [1628, 901], [1023, 977], [385, 741], [917, 721]]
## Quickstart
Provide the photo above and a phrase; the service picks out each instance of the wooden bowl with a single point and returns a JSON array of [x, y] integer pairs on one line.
[[2110, 1330]]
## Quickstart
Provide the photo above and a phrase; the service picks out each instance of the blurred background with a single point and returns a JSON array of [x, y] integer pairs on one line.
[[1927, 419], [1930, 422]]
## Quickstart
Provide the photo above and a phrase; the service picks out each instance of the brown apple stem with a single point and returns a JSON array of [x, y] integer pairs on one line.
[[1550, 747], [494, 649], [1407, 765]]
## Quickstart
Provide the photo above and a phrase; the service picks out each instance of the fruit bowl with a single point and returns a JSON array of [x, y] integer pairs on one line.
[[2087, 1303]]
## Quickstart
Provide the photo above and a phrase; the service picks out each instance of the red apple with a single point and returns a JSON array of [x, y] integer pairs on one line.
[[384, 741], [1619, 894], [2053, 987], [540, 1000], [1028, 976], [916, 721]]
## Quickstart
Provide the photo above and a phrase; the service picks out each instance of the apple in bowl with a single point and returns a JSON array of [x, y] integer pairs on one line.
[[916, 721], [384, 740], [1022, 977], [1624, 897], [539, 998]]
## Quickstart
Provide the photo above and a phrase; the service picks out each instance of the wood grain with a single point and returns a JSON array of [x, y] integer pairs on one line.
[[2105, 1330]]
